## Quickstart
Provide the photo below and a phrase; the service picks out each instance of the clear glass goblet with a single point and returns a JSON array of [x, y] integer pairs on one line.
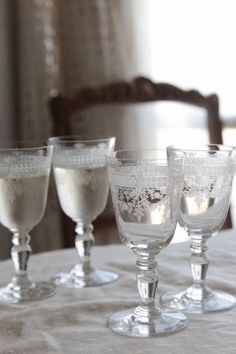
[[24, 178], [208, 176], [145, 193], [81, 178]]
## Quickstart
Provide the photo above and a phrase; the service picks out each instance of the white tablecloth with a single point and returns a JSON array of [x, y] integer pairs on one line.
[[74, 321]]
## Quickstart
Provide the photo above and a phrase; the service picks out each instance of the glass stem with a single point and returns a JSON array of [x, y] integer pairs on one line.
[[84, 241], [20, 254], [147, 280], [199, 265]]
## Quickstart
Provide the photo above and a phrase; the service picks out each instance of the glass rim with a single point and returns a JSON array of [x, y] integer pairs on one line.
[[80, 138], [113, 157], [36, 145], [201, 148]]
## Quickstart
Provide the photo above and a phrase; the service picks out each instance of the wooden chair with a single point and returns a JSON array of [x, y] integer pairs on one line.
[[139, 90]]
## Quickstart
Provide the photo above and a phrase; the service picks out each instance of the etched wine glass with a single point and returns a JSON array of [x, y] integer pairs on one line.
[[145, 193], [24, 177], [81, 178], [205, 199]]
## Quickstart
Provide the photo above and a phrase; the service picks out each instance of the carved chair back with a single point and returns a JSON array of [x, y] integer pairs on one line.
[[139, 90]]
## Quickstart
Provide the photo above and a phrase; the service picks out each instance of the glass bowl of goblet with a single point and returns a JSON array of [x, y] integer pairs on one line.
[[205, 199], [24, 178], [80, 173], [145, 192]]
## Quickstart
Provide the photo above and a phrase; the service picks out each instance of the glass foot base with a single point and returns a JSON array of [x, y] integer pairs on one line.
[[14, 294], [124, 322], [95, 278], [213, 302]]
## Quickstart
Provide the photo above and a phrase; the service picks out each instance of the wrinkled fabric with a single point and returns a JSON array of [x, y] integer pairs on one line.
[[75, 321]]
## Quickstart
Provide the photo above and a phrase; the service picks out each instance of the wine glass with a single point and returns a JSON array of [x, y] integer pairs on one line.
[[80, 174], [145, 193], [24, 178], [208, 175]]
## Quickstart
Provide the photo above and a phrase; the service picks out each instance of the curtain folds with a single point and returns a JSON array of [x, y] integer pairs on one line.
[[63, 45]]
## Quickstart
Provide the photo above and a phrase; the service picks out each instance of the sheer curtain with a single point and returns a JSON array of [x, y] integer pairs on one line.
[[7, 95], [62, 45]]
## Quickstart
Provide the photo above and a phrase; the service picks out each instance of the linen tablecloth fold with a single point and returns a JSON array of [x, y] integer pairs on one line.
[[75, 321]]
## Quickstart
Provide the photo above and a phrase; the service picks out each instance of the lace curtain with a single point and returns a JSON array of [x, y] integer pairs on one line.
[[62, 45]]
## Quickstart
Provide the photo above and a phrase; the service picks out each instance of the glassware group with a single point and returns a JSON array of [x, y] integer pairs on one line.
[[151, 190]]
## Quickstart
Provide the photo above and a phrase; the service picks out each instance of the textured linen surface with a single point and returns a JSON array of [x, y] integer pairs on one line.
[[75, 321]]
